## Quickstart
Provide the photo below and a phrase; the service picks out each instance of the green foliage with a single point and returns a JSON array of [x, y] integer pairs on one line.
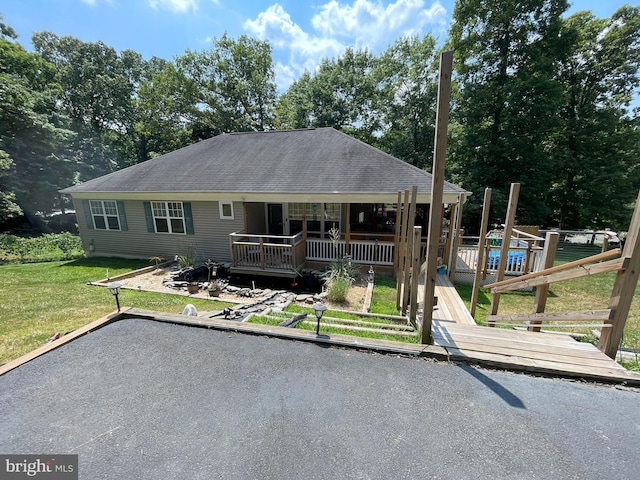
[[45, 248], [34, 161], [189, 257], [338, 289], [597, 142], [506, 56], [230, 87]]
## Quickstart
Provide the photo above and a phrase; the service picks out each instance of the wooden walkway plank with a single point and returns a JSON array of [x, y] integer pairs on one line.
[[541, 366], [559, 355]]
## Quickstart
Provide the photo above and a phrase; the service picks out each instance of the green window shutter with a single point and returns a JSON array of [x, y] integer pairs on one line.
[[122, 216], [188, 218], [87, 214], [149, 217]]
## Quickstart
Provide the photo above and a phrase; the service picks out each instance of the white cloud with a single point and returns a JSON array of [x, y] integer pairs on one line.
[[360, 24], [369, 23], [176, 6]]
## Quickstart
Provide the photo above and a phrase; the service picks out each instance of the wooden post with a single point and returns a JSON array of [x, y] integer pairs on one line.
[[506, 243], [396, 239], [605, 242], [548, 257], [453, 260], [347, 232], [262, 259], [623, 288], [452, 222], [408, 251], [415, 275], [437, 185], [304, 223], [244, 214], [484, 224], [402, 246]]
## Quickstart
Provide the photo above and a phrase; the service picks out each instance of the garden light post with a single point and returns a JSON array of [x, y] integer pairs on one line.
[[319, 308], [114, 288]]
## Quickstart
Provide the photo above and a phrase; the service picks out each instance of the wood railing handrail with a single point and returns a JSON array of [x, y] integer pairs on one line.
[[531, 279]]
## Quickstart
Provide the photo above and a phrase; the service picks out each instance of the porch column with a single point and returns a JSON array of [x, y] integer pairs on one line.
[[304, 221], [244, 215], [347, 231]]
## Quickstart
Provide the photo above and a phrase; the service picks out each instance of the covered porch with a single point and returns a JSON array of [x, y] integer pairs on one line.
[[282, 238]]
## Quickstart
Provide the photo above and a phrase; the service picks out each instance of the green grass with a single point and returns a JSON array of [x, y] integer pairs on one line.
[[383, 299], [40, 299], [343, 331], [294, 309]]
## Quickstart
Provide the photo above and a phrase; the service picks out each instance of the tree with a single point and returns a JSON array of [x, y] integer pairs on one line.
[[506, 56], [98, 87], [597, 142], [341, 94], [34, 160], [162, 111], [407, 79], [230, 87]]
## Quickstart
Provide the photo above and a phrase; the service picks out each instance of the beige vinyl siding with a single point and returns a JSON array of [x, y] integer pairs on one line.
[[211, 238]]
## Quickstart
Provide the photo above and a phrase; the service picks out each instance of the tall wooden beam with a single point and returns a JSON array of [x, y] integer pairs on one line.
[[409, 249], [402, 247], [437, 184], [347, 232], [484, 224], [453, 260], [396, 238], [415, 274], [623, 288], [542, 291], [506, 243]]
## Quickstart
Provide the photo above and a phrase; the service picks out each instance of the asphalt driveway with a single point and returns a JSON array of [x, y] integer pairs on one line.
[[144, 399]]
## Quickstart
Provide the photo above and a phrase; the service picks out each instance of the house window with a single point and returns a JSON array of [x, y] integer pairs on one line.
[[319, 217], [226, 210], [168, 217], [105, 214]]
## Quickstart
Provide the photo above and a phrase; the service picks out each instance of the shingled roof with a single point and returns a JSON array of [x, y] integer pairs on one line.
[[321, 160]]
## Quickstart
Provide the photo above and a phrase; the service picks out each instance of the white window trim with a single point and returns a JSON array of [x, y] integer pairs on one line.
[[221, 205], [168, 218], [104, 215]]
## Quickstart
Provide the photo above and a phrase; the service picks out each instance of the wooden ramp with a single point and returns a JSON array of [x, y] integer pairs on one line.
[[451, 308], [528, 351]]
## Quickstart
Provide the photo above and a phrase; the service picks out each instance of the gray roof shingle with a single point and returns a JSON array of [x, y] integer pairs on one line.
[[321, 160]]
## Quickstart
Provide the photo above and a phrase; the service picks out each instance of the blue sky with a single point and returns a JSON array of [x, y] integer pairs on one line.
[[301, 32]]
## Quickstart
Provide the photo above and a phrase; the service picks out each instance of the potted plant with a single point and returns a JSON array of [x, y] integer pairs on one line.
[[215, 288], [193, 287]]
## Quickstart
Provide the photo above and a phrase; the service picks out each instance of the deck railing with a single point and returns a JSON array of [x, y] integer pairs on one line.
[[370, 252], [524, 255], [264, 252], [520, 260]]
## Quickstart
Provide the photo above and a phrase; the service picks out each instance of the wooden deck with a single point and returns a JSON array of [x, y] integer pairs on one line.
[[455, 330]]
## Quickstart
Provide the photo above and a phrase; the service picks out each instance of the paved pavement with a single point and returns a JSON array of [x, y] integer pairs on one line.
[[143, 399]]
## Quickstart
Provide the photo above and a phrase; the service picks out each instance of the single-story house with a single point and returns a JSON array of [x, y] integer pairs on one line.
[[264, 202]]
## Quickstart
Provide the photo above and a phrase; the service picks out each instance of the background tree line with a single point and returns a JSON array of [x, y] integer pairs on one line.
[[539, 98]]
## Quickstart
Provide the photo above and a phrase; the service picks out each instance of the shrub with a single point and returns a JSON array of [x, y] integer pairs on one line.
[[337, 289], [45, 248]]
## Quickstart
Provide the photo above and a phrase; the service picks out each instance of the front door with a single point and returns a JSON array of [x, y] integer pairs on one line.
[[276, 224]]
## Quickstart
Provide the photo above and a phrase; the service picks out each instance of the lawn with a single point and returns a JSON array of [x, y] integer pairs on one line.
[[40, 299]]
